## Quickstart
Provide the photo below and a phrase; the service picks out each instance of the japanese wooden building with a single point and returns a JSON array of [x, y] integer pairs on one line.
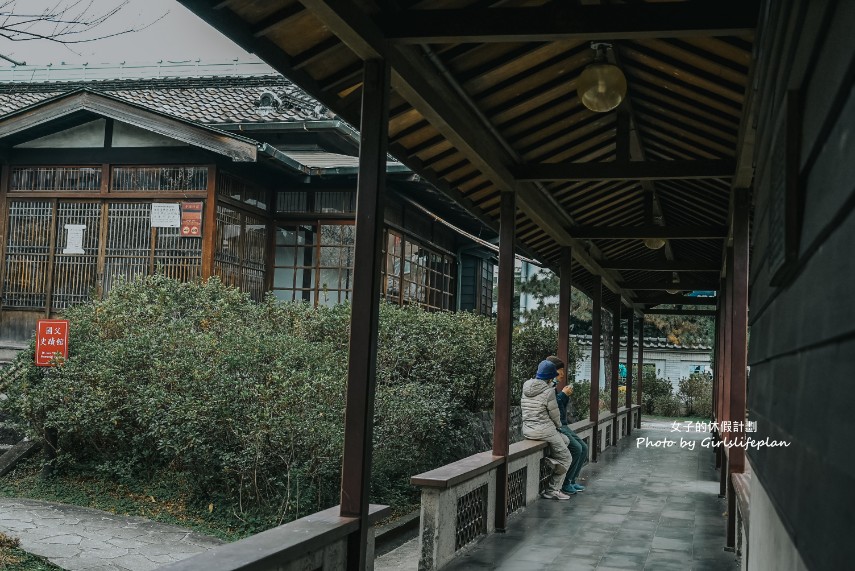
[[244, 178]]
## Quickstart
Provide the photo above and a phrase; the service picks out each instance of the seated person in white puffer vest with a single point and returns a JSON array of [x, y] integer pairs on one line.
[[541, 421]]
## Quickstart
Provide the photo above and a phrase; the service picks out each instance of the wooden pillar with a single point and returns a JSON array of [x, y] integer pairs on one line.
[[362, 359], [615, 365], [630, 349], [504, 330], [724, 410], [728, 338], [594, 410], [639, 390], [209, 226], [739, 329], [717, 371], [738, 325], [564, 304]]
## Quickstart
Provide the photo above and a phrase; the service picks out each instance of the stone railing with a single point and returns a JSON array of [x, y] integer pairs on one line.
[[459, 499], [458, 504], [317, 542]]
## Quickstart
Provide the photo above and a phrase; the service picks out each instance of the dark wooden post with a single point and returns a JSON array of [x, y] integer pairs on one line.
[[596, 315], [615, 365], [724, 395], [362, 359], [504, 329], [564, 303], [739, 328], [630, 349], [717, 372], [638, 399], [739, 352]]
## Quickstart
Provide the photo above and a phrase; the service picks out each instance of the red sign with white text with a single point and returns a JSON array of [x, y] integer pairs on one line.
[[191, 219], [51, 338]]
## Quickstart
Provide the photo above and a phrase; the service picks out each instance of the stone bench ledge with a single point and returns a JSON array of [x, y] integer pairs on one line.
[[274, 548], [453, 474], [525, 447]]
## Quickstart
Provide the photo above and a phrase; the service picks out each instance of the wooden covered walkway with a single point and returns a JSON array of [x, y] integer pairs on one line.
[[644, 508]]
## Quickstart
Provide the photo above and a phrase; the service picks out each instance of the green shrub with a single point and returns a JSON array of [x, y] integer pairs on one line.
[[246, 400], [532, 343], [653, 388], [581, 398], [695, 393], [667, 405]]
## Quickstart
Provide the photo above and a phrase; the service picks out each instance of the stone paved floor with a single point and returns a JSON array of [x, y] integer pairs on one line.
[[654, 508], [78, 538]]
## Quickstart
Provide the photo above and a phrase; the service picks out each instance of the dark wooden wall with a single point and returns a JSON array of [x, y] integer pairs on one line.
[[802, 340]]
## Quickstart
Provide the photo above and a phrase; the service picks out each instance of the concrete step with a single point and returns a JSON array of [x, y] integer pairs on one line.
[[9, 350]]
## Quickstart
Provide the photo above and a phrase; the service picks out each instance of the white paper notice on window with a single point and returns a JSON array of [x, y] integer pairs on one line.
[[74, 239], [165, 215]]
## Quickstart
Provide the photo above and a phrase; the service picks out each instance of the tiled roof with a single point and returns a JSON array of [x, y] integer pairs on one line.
[[649, 343], [210, 101]]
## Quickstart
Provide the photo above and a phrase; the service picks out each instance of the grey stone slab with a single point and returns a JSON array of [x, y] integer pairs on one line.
[[664, 543], [83, 539]]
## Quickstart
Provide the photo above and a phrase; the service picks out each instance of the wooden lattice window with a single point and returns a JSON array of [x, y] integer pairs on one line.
[[55, 253], [55, 179], [241, 191], [75, 270], [165, 179], [335, 263], [294, 263], [416, 274], [28, 248], [239, 258]]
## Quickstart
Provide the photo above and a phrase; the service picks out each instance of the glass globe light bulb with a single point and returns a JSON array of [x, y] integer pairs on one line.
[[654, 243], [601, 86]]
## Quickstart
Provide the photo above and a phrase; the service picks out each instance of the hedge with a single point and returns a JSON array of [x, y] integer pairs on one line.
[[247, 399]]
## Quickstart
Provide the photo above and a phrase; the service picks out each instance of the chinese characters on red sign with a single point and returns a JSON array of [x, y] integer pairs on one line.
[[51, 338], [191, 219]]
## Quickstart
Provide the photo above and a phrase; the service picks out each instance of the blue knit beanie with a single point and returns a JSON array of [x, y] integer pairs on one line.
[[546, 370]]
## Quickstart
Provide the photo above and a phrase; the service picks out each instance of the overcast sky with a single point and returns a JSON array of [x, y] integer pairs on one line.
[[178, 35]]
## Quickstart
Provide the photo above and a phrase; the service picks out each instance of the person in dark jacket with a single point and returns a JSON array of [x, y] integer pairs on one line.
[[578, 448]]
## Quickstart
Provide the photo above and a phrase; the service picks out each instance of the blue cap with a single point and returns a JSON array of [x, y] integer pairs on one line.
[[546, 371]]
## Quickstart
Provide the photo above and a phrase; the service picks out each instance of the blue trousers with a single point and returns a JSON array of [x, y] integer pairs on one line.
[[579, 451]]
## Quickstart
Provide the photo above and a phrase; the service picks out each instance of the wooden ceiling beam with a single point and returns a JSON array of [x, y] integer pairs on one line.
[[661, 265], [666, 299], [648, 231], [693, 312], [566, 20], [684, 284], [633, 170]]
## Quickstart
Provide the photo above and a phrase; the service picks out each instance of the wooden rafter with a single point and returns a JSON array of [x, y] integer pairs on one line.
[[642, 232], [566, 20], [630, 170]]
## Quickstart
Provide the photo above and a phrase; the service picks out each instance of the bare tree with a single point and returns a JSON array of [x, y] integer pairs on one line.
[[65, 22]]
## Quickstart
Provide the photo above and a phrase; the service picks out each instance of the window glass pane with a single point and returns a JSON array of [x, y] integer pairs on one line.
[[329, 279]]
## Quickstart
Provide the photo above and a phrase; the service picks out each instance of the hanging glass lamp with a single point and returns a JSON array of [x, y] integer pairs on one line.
[[601, 86]]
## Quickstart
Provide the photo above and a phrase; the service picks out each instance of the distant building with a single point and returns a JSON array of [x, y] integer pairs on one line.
[[670, 361]]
